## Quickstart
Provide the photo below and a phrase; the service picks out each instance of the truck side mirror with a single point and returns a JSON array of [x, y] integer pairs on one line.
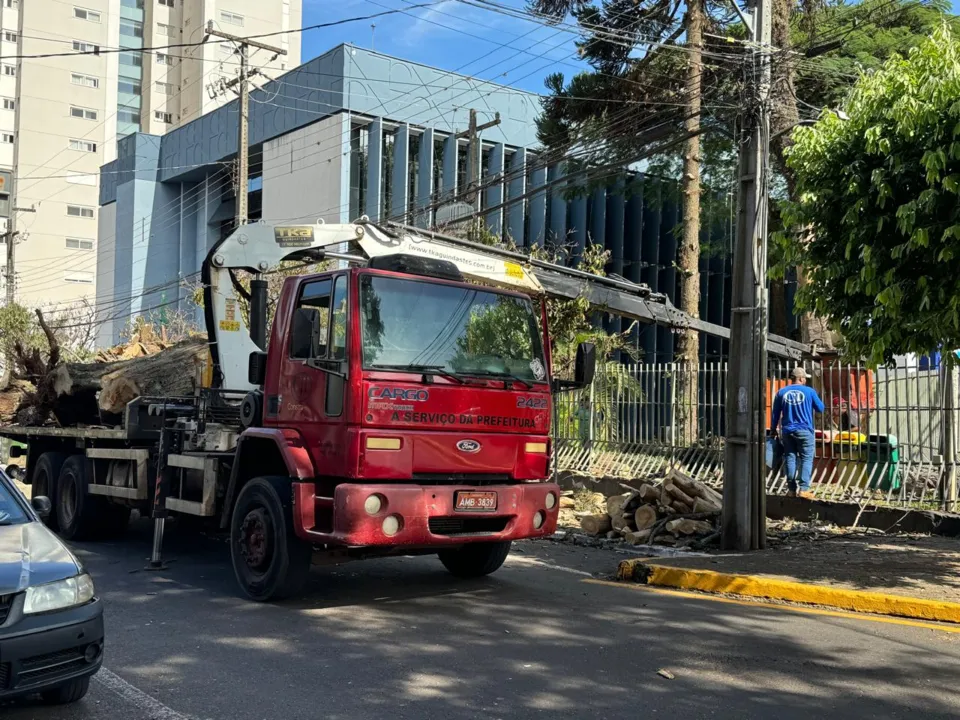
[[257, 367], [586, 364], [305, 320]]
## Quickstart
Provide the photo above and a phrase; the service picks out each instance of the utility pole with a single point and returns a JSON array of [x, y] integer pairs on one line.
[[10, 237], [242, 82], [470, 193], [743, 524]]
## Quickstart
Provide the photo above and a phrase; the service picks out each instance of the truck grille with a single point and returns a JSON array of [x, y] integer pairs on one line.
[[461, 479], [462, 526]]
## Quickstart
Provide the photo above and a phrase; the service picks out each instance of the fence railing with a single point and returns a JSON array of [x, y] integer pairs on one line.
[[880, 438]]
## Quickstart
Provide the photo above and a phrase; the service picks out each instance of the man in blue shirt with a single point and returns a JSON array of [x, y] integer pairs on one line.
[[794, 406]]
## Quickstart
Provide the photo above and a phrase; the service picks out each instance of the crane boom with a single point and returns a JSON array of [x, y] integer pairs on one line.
[[258, 247]]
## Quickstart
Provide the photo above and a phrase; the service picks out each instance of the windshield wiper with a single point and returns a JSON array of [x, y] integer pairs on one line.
[[425, 369], [506, 376]]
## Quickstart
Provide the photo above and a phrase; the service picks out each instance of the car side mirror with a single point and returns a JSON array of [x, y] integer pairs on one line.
[[305, 322], [42, 505], [586, 364]]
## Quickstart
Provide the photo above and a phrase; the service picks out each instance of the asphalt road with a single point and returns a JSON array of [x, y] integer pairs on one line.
[[402, 639]]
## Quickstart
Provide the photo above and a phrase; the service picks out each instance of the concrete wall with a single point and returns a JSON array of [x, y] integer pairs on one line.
[[303, 173]]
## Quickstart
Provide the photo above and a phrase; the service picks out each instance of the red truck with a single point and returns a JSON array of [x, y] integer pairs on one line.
[[401, 406]]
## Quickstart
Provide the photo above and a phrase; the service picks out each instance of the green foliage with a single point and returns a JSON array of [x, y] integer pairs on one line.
[[876, 220], [502, 330]]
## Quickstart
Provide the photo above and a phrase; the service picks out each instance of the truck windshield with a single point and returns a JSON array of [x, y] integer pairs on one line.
[[462, 330]]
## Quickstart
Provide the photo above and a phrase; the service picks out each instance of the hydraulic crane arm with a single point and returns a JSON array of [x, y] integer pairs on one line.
[[259, 247]]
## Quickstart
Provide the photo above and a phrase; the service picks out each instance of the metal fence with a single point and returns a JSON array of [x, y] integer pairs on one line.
[[879, 440]]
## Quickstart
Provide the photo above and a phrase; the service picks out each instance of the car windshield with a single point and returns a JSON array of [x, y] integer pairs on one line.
[[449, 328], [11, 512]]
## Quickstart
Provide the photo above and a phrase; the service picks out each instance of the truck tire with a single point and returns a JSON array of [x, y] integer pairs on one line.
[[270, 562], [78, 514], [476, 559], [44, 480]]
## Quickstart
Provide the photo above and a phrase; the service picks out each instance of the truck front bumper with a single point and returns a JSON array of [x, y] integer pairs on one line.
[[423, 515]]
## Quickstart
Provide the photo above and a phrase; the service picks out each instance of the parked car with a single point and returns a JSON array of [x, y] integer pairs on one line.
[[51, 621]]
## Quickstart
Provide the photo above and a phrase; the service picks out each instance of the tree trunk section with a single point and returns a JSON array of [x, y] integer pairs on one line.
[[688, 260], [595, 524]]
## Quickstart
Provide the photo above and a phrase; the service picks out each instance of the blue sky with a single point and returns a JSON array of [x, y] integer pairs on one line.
[[450, 35]]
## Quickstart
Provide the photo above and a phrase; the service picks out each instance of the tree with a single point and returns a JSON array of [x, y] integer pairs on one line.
[[878, 189]]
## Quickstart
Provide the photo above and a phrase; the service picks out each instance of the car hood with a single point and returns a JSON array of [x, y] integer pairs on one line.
[[32, 555]]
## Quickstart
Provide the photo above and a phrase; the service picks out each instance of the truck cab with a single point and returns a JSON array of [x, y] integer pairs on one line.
[[421, 407]]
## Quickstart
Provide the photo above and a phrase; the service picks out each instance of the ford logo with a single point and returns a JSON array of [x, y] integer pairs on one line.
[[468, 446]]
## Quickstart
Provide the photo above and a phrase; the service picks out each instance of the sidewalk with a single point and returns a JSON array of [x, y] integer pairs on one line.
[[908, 576]]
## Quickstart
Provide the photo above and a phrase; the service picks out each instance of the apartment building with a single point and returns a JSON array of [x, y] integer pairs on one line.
[[79, 75]]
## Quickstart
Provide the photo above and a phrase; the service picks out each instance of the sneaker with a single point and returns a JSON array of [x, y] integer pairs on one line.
[[791, 493], [806, 495]]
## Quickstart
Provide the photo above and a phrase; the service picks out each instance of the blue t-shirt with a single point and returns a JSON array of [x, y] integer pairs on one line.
[[795, 403]]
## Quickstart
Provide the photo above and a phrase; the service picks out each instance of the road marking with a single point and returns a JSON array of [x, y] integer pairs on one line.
[[777, 606], [551, 566], [136, 697]]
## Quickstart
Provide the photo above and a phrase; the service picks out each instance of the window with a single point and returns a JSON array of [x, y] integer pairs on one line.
[[133, 59], [9, 104], [164, 88], [165, 30], [10, 36], [162, 116], [338, 333], [10, 70], [84, 14], [84, 80], [227, 49], [8, 138], [132, 4], [84, 278], [83, 113], [164, 59], [79, 211], [231, 18], [311, 321], [130, 87], [79, 244], [11, 510], [168, 3], [131, 28], [85, 47], [129, 116], [83, 145]]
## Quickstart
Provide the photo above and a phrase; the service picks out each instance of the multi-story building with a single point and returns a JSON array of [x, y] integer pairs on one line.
[[355, 132], [77, 76]]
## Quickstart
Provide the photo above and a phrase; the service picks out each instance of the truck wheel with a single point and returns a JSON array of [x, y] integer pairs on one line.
[[269, 560], [475, 560], [77, 513], [13, 472], [44, 477]]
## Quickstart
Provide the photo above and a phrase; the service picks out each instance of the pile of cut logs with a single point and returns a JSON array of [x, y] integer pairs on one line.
[[676, 510], [45, 389]]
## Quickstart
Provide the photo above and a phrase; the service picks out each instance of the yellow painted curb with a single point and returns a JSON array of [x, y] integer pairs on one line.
[[772, 589]]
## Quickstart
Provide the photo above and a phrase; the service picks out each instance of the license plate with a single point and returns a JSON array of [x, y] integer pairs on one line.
[[475, 501]]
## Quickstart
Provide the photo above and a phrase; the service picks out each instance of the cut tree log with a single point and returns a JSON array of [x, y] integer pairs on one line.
[[622, 522], [693, 488], [644, 516], [701, 505], [636, 537], [595, 524], [686, 526], [617, 503], [649, 494], [677, 493]]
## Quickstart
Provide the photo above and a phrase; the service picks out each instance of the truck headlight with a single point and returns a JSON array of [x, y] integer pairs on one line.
[[58, 595]]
